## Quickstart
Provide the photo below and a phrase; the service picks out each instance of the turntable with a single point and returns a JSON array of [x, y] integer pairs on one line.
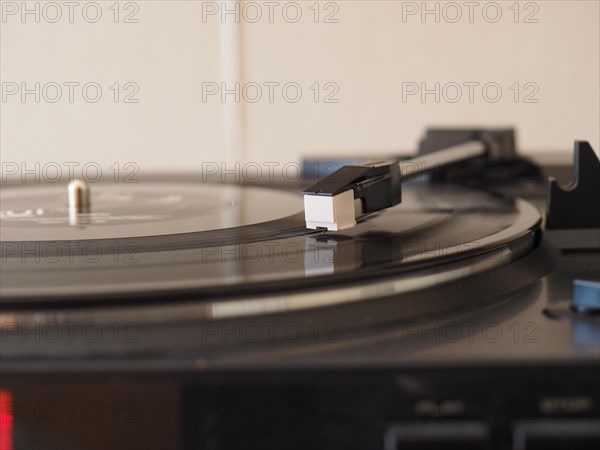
[[443, 301]]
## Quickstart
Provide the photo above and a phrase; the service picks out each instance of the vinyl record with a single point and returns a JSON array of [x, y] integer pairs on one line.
[[184, 240]]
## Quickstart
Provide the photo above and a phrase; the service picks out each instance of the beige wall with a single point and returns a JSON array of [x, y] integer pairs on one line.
[[366, 53]]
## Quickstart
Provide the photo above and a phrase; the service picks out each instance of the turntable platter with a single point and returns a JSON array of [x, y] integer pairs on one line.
[[190, 241]]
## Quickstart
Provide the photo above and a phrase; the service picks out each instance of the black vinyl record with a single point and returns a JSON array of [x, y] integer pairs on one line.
[[181, 239]]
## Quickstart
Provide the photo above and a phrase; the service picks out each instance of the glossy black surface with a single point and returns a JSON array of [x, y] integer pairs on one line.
[[431, 226]]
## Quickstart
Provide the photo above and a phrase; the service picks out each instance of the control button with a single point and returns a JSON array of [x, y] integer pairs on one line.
[[586, 296], [437, 436], [551, 434]]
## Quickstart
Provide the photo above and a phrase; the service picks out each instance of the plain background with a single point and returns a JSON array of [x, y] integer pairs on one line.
[[367, 51]]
